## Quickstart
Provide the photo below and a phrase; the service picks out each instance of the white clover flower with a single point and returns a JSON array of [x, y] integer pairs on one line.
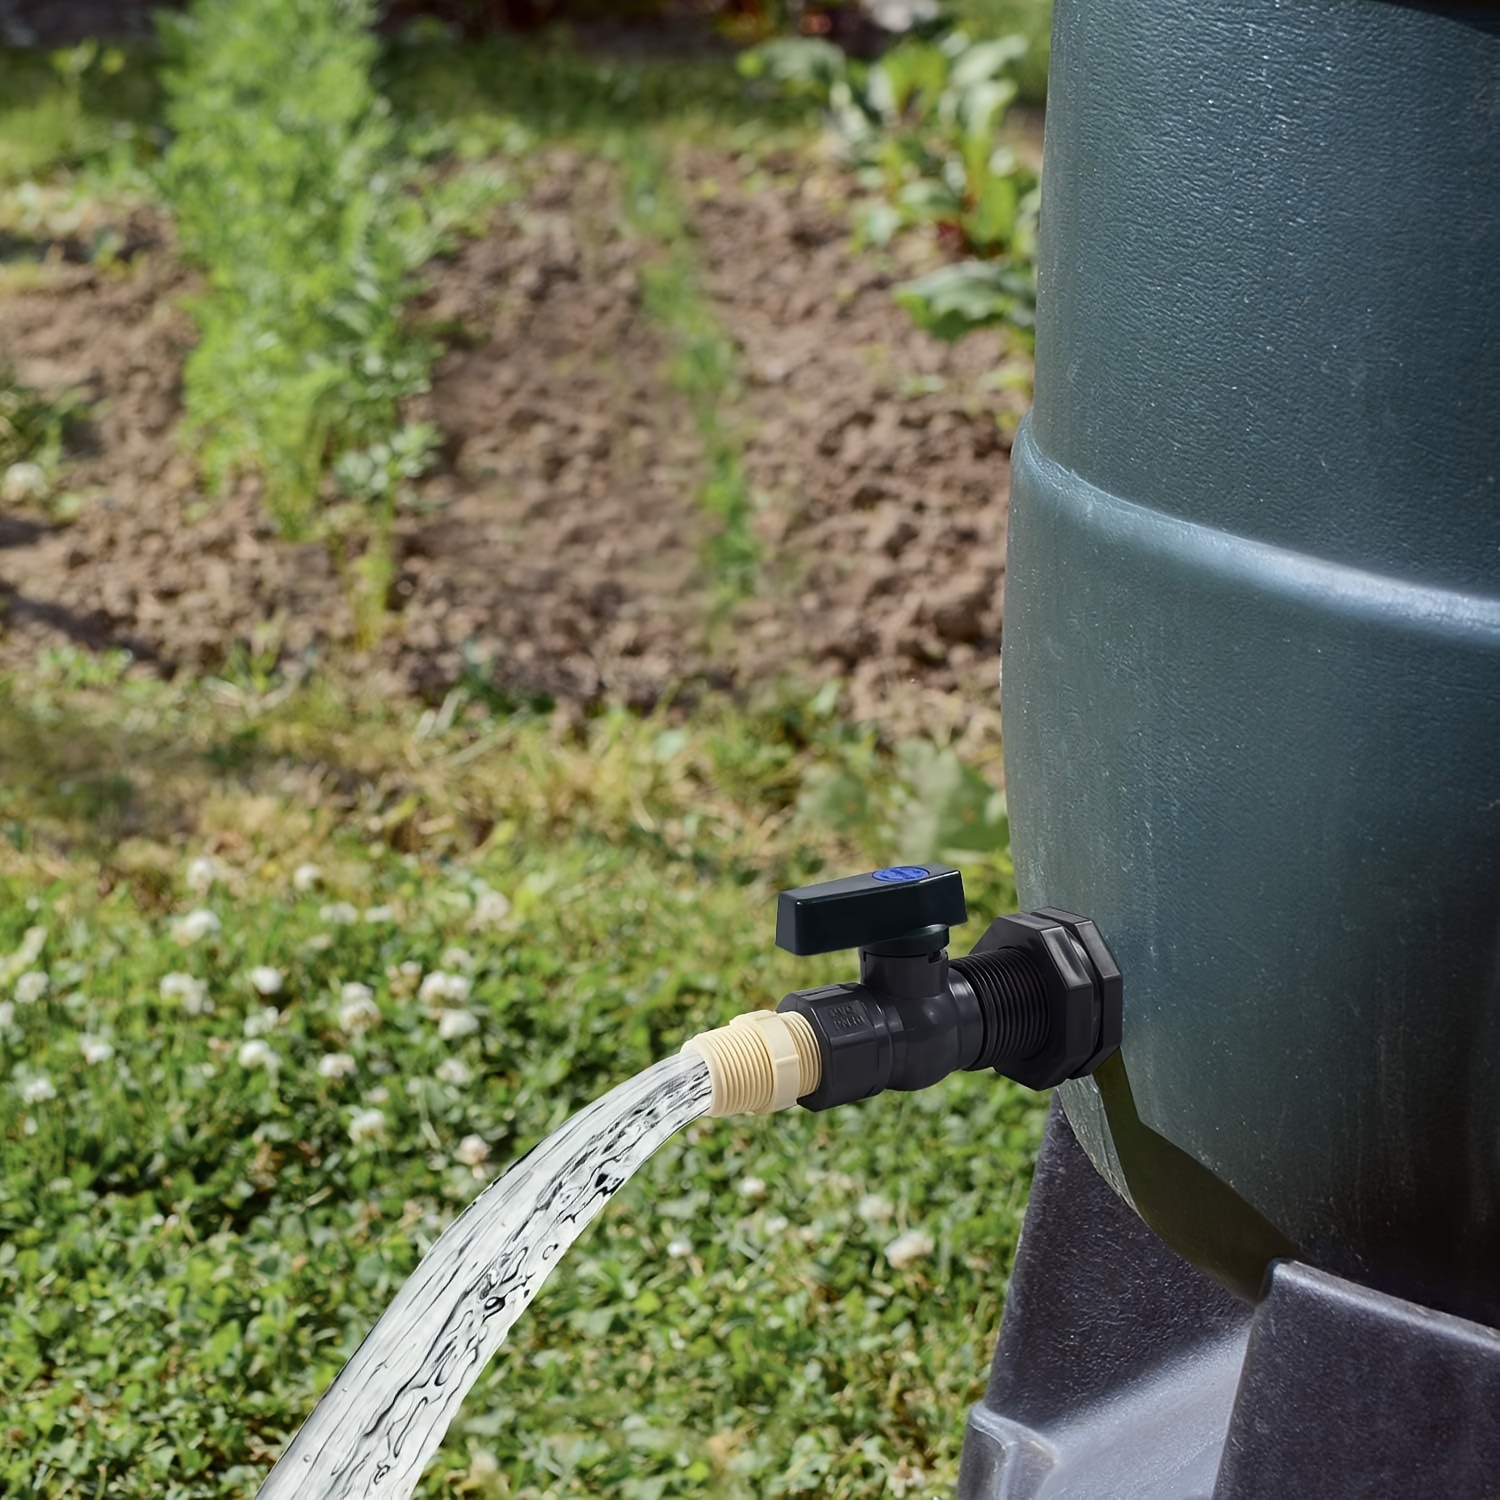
[[491, 908], [440, 988], [472, 1151], [198, 924], [95, 1050], [380, 1094], [403, 977], [380, 914], [258, 1054], [484, 1469], [38, 1091], [31, 986], [366, 1125], [454, 957], [306, 878], [357, 1009], [680, 1248], [906, 1477], [336, 1065], [192, 992], [259, 1022], [901, 15], [453, 1024], [265, 980], [23, 482], [203, 872], [7, 1015], [753, 1188], [456, 1071], [908, 1248], [340, 913], [875, 1208], [775, 1224]]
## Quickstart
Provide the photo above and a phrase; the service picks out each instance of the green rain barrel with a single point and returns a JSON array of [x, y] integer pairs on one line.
[[1251, 669]]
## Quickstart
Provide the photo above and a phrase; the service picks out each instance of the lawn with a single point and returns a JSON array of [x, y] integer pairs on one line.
[[239, 1105]]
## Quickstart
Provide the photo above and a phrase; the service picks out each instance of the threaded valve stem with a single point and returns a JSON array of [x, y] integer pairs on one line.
[[1012, 994]]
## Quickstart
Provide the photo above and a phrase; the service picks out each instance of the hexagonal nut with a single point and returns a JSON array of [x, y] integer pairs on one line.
[[1111, 984], [1073, 995]]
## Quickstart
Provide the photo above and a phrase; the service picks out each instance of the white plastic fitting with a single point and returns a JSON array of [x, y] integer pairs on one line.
[[761, 1062]]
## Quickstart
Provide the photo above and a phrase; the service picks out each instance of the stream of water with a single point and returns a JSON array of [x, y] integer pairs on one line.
[[383, 1418]]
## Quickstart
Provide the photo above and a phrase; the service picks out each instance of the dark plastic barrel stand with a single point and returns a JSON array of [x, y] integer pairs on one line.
[[1252, 718]]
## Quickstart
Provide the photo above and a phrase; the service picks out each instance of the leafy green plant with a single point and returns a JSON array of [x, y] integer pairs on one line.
[[1031, 19], [32, 423], [969, 294], [290, 188], [33, 429], [921, 129], [384, 472]]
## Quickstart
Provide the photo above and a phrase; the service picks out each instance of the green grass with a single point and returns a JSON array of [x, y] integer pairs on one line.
[[481, 94], [189, 1247], [705, 367], [72, 109]]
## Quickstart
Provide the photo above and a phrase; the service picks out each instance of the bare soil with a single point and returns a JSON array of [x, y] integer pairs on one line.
[[560, 548], [876, 448]]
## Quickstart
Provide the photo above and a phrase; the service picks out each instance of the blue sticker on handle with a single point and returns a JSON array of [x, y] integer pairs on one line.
[[900, 872]]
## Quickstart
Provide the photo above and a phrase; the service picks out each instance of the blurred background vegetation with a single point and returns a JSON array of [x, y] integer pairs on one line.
[[229, 1123]]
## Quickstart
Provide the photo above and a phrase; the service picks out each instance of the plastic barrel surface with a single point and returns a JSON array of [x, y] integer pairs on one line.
[[1251, 671]]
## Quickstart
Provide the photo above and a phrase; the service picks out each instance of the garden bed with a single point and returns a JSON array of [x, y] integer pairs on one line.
[[559, 548]]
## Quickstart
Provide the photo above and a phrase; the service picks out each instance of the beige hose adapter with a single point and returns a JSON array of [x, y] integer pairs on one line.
[[761, 1062]]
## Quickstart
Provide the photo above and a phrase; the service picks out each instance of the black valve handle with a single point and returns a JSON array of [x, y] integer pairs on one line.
[[902, 909]]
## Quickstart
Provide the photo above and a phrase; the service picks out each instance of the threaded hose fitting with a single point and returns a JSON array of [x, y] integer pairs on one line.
[[1011, 990], [761, 1062]]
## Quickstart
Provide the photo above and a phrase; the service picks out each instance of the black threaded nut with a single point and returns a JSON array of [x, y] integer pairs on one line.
[[1080, 999]]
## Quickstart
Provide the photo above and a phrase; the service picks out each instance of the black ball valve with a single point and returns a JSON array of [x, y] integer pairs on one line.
[[1038, 999]]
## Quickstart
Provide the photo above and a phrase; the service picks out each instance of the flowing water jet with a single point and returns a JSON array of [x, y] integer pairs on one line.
[[384, 1416]]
